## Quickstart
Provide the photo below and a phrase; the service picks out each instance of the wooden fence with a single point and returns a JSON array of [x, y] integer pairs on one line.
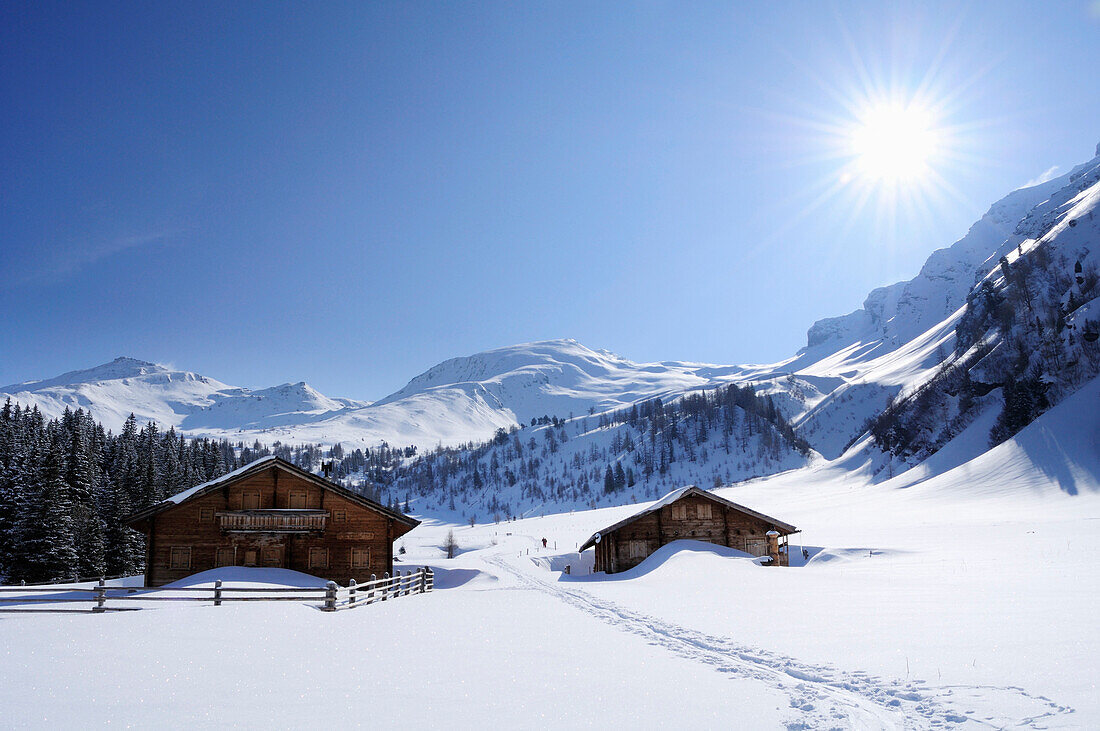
[[330, 598]]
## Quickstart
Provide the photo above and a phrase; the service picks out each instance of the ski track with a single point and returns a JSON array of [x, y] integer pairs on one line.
[[821, 697]]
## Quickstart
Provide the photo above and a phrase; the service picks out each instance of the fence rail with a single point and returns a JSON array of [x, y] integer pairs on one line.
[[331, 597]]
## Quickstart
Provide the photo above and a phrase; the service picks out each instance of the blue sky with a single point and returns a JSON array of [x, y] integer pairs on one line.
[[349, 193]]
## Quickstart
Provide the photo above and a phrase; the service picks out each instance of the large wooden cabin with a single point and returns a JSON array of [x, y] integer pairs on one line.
[[269, 513], [689, 512]]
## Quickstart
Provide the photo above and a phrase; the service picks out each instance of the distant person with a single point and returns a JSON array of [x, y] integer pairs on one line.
[[805, 555], [544, 543]]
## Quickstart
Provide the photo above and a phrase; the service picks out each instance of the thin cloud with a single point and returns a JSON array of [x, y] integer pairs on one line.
[[64, 262], [1050, 174]]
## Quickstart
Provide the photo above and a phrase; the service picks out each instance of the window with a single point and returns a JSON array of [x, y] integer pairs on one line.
[[702, 511], [180, 557], [635, 549], [339, 515], [272, 556], [360, 558], [206, 515], [679, 512], [297, 500], [250, 500], [226, 557], [318, 558], [250, 557]]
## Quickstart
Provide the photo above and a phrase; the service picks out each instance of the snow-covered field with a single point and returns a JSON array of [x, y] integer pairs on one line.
[[948, 596], [967, 600]]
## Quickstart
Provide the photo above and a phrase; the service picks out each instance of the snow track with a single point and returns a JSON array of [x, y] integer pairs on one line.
[[821, 697]]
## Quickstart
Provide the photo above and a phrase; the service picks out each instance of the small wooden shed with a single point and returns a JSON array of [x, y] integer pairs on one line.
[[693, 513], [274, 514]]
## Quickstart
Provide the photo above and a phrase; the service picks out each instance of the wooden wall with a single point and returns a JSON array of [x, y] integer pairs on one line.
[[691, 517], [194, 525]]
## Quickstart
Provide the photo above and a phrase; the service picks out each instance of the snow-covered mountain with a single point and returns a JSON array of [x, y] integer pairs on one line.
[[852, 366], [849, 371], [188, 401], [460, 400]]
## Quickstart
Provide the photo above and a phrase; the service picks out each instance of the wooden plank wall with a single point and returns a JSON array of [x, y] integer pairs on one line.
[[194, 524]]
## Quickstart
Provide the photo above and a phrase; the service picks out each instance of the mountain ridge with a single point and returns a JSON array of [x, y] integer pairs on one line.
[[851, 367]]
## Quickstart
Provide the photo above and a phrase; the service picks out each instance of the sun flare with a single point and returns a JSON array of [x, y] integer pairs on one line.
[[894, 143]]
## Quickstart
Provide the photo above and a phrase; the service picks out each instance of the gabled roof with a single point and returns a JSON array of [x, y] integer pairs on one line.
[[260, 465], [784, 528]]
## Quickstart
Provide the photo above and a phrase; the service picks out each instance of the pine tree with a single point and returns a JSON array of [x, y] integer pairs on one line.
[[47, 532], [620, 477], [124, 548]]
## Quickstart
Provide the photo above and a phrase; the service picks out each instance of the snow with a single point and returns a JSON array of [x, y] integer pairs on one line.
[[961, 597], [850, 369], [961, 592], [963, 600]]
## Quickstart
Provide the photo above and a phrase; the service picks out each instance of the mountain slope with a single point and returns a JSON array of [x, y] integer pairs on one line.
[[1027, 338], [849, 371], [188, 401], [852, 366]]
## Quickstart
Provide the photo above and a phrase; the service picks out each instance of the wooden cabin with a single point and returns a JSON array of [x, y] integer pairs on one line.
[[692, 513], [273, 514]]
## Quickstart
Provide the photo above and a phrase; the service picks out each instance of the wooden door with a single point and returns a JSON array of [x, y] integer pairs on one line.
[[250, 500]]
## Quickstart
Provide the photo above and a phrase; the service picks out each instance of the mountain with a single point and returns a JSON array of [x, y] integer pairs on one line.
[[190, 402], [906, 336], [460, 400], [854, 365], [1026, 340]]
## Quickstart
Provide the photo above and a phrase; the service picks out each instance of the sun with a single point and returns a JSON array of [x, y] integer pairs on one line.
[[894, 143]]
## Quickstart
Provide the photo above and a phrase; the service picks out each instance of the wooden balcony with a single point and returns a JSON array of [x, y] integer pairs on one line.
[[273, 521]]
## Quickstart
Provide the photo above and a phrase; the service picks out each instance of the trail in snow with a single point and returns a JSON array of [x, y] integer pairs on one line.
[[822, 697]]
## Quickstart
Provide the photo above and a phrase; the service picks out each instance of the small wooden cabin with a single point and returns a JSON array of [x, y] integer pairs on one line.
[[274, 514], [692, 513]]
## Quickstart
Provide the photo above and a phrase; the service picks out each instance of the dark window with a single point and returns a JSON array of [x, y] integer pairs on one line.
[[180, 557], [318, 558], [272, 556]]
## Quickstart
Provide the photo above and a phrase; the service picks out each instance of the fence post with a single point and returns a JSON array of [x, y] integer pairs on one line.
[[370, 594], [351, 592], [386, 585], [217, 592], [330, 596], [429, 578], [423, 579], [100, 597]]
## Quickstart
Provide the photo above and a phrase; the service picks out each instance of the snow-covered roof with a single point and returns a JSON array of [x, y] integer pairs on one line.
[[681, 492], [256, 466], [179, 497]]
